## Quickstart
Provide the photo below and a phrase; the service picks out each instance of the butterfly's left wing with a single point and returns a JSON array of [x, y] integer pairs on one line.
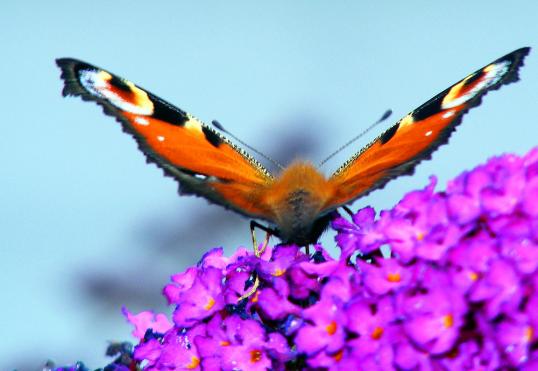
[[412, 139], [204, 162]]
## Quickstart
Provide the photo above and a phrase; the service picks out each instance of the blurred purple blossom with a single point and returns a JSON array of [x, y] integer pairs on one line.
[[458, 291]]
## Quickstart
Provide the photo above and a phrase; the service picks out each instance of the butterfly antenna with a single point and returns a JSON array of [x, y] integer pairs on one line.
[[218, 125], [385, 116]]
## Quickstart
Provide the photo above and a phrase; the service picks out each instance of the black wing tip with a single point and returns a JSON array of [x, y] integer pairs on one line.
[[524, 51], [73, 63], [61, 62], [517, 60], [516, 57], [70, 68]]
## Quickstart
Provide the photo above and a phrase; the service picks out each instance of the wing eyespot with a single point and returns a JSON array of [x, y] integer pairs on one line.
[[122, 94], [473, 85]]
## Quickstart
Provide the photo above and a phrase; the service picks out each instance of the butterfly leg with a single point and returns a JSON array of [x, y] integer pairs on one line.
[[258, 253], [252, 291], [347, 210], [268, 233], [265, 243]]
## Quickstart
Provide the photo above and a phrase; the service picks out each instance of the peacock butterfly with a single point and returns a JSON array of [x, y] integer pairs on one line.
[[298, 201]]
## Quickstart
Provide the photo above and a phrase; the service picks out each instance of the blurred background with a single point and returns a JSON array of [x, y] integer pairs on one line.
[[86, 226]]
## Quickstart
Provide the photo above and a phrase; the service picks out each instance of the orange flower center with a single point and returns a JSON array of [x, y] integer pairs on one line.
[[473, 276], [394, 277], [377, 333], [529, 332], [448, 321], [255, 356], [195, 362], [209, 304], [338, 356], [331, 328], [224, 343], [279, 272], [255, 296]]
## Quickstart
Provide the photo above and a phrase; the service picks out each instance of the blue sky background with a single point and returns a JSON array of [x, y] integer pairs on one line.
[[86, 226]]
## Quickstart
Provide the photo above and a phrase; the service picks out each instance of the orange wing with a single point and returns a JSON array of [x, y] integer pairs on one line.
[[203, 161], [412, 139]]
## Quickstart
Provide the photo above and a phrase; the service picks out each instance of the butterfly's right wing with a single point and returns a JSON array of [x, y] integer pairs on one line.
[[412, 139]]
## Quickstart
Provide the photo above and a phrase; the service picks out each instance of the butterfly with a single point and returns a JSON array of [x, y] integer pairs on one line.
[[300, 201]]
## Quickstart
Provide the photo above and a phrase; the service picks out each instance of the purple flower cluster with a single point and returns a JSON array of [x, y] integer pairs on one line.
[[459, 290]]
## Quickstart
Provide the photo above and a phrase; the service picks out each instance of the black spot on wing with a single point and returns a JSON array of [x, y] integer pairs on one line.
[[430, 108], [387, 135], [164, 112], [120, 84], [211, 136]]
